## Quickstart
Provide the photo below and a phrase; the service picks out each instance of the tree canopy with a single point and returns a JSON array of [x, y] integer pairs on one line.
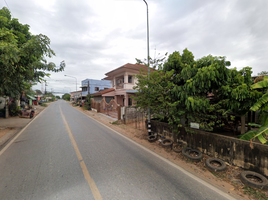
[[22, 55], [66, 97], [205, 91]]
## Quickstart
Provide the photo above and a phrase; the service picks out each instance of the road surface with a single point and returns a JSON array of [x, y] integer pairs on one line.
[[64, 154]]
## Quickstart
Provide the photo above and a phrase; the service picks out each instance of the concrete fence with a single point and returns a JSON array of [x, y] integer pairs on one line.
[[232, 150]]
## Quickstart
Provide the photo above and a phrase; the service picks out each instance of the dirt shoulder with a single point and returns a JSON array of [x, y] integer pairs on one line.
[[227, 181], [9, 127]]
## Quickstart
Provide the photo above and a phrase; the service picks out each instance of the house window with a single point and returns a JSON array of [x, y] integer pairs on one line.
[[129, 102], [96, 88], [106, 88], [84, 89], [129, 79]]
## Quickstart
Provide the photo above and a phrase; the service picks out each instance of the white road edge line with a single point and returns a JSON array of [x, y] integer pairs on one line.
[[10, 142], [169, 162]]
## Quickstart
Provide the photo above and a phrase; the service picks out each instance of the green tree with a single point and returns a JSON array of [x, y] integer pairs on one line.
[[203, 91], [22, 56], [88, 102], [66, 97], [38, 92], [58, 97], [154, 63], [207, 92], [155, 92], [263, 73]]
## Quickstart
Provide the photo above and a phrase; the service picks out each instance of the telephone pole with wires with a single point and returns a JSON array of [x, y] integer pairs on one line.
[[148, 60]]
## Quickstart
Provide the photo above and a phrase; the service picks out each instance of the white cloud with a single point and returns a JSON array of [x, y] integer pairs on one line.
[[94, 37]]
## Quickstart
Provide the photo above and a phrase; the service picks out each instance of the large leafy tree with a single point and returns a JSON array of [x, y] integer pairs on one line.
[[207, 91], [22, 56], [155, 92], [204, 91], [66, 97]]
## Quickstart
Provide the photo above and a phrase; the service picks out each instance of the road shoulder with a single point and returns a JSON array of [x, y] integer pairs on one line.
[[197, 169]]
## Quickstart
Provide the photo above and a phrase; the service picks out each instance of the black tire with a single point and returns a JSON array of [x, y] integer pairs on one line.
[[209, 163], [31, 114], [185, 151], [178, 147], [197, 157], [167, 143], [152, 138], [248, 176]]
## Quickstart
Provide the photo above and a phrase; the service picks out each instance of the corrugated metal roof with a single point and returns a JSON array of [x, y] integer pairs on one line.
[[31, 97]]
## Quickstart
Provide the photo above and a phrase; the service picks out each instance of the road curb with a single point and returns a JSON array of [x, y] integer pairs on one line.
[[8, 135]]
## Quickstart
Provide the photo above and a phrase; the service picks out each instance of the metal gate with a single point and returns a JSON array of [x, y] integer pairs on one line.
[[111, 109]]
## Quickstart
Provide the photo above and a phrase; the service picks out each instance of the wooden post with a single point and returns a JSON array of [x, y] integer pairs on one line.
[[6, 107], [119, 112], [98, 107]]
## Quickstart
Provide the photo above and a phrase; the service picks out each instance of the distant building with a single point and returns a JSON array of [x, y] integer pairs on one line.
[[122, 81], [75, 95], [91, 86]]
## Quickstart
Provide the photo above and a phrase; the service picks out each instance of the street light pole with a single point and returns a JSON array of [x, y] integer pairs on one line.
[[75, 82], [148, 63]]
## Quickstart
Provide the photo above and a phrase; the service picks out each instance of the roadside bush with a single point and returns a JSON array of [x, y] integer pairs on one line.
[[87, 102], [14, 109]]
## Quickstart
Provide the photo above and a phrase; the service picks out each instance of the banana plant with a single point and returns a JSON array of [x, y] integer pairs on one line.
[[261, 104]]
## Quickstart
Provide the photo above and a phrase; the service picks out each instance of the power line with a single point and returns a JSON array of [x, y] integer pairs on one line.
[[8, 7]]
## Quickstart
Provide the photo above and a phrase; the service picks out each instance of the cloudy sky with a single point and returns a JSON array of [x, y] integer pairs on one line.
[[97, 36]]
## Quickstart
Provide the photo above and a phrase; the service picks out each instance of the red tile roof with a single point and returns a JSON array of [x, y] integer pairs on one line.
[[100, 93], [130, 66]]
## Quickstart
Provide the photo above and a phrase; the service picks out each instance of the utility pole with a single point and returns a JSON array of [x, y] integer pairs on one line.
[[88, 87], [148, 63], [45, 87]]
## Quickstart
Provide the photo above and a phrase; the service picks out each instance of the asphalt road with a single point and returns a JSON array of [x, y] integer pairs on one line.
[[64, 154]]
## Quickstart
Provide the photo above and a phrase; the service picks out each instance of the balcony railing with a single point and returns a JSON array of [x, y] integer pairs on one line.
[[120, 86]]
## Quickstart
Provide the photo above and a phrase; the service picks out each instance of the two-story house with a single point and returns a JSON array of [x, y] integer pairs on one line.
[[123, 80], [91, 86]]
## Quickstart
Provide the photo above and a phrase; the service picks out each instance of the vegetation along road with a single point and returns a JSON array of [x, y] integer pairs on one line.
[[64, 154]]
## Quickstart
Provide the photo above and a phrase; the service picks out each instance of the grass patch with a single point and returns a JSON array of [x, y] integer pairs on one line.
[[219, 175], [115, 122], [258, 194]]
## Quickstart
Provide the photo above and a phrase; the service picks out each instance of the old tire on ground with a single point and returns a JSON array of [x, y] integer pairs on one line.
[[194, 154], [215, 164], [254, 180], [167, 143], [178, 147], [185, 151], [31, 115], [152, 138]]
